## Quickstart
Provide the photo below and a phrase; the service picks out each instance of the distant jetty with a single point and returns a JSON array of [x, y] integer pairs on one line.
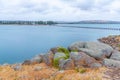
[[118, 29]]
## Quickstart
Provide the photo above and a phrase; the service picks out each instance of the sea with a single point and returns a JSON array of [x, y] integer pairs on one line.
[[22, 42]]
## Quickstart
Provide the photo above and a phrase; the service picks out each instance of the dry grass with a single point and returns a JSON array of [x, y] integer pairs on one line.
[[90, 74], [28, 72], [117, 38]]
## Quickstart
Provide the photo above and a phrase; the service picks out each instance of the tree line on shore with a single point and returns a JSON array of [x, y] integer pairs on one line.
[[28, 22]]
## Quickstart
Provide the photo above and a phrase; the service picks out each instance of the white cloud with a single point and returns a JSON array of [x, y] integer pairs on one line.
[[59, 9]]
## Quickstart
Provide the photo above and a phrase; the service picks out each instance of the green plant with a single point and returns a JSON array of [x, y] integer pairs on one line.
[[118, 45], [77, 69], [81, 70], [74, 50], [64, 50], [56, 61]]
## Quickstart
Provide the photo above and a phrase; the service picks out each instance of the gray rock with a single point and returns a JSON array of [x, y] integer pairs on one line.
[[6, 64], [81, 59], [26, 62], [67, 64], [59, 55], [111, 63], [48, 58], [76, 46], [95, 65], [37, 68], [36, 59], [93, 49], [115, 55], [17, 67], [54, 50], [61, 71]]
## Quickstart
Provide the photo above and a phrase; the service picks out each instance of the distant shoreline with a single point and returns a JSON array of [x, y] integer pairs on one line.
[[27, 22], [18, 22]]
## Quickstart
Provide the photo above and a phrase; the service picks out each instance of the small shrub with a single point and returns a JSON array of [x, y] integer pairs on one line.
[[118, 45], [81, 70], [77, 69], [64, 50], [56, 61]]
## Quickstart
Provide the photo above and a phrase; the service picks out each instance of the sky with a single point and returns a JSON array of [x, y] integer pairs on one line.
[[60, 10]]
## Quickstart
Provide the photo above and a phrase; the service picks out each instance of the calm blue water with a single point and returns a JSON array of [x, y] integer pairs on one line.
[[18, 43]]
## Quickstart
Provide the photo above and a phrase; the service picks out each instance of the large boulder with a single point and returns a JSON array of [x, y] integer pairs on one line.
[[36, 59], [54, 50], [57, 57], [76, 45], [115, 55], [111, 63], [67, 64], [48, 58], [81, 59], [96, 65], [94, 49], [27, 62]]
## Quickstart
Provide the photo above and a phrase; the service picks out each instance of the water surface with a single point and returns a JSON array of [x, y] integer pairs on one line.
[[18, 43]]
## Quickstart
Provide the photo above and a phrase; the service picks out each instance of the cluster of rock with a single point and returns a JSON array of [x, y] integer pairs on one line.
[[79, 54], [113, 41]]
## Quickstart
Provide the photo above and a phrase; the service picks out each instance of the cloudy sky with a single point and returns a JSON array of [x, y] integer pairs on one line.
[[60, 10]]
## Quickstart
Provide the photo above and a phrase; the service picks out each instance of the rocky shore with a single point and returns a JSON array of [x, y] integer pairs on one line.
[[80, 61], [113, 41], [79, 54]]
